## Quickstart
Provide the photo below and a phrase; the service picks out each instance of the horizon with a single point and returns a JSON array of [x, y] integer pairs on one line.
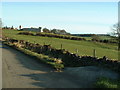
[[74, 17]]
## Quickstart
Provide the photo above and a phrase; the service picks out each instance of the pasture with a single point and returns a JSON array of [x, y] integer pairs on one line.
[[79, 47]]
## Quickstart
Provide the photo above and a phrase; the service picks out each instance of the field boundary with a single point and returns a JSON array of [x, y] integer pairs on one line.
[[51, 35], [68, 59], [64, 37]]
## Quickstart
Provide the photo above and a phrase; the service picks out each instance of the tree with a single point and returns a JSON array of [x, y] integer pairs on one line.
[[12, 27], [40, 29], [58, 31], [1, 23], [46, 30], [20, 27], [116, 29], [116, 32], [6, 27], [53, 31]]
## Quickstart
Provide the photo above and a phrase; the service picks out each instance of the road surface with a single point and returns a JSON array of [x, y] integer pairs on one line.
[[21, 71]]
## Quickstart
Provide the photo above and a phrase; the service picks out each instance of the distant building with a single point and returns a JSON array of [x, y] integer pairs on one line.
[[32, 29]]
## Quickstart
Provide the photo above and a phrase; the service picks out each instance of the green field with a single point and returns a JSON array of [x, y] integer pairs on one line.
[[83, 47]]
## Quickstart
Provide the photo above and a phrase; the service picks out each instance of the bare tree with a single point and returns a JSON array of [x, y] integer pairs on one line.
[[116, 32], [1, 23], [0, 28], [116, 29]]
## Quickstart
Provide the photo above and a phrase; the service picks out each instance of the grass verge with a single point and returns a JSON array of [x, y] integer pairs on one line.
[[55, 63], [103, 82]]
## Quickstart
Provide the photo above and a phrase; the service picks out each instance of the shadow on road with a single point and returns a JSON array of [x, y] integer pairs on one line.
[[53, 80], [41, 74]]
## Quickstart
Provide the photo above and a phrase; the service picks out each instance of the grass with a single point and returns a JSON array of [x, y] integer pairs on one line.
[[88, 38], [103, 82], [83, 47], [105, 37], [102, 38]]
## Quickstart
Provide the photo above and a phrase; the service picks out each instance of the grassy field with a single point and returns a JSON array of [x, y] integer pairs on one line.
[[84, 47], [88, 38], [100, 37]]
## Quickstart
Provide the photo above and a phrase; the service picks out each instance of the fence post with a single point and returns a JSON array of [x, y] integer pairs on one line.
[[76, 51], [61, 46], [94, 52]]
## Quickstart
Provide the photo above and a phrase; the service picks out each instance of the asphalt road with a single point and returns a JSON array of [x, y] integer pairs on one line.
[[21, 71]]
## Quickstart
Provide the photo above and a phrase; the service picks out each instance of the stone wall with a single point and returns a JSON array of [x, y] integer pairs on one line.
[[68, 59]]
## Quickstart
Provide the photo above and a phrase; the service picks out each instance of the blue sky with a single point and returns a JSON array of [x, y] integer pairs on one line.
[[74, 17]]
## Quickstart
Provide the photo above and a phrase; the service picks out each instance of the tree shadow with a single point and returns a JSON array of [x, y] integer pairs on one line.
[[54, 80]]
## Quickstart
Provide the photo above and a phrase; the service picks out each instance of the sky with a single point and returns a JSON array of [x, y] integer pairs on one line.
[[74, 17], [60, 0]]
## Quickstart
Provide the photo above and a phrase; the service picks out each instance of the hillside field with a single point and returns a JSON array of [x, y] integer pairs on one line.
[[83, 47]]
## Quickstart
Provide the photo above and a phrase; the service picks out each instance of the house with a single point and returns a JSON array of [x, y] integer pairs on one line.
[[32, 29]]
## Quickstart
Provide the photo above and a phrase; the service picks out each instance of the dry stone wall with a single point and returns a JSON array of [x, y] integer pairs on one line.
[[68, 59]]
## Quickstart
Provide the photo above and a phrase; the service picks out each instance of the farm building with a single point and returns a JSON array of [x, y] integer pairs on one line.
[[31, 29]]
